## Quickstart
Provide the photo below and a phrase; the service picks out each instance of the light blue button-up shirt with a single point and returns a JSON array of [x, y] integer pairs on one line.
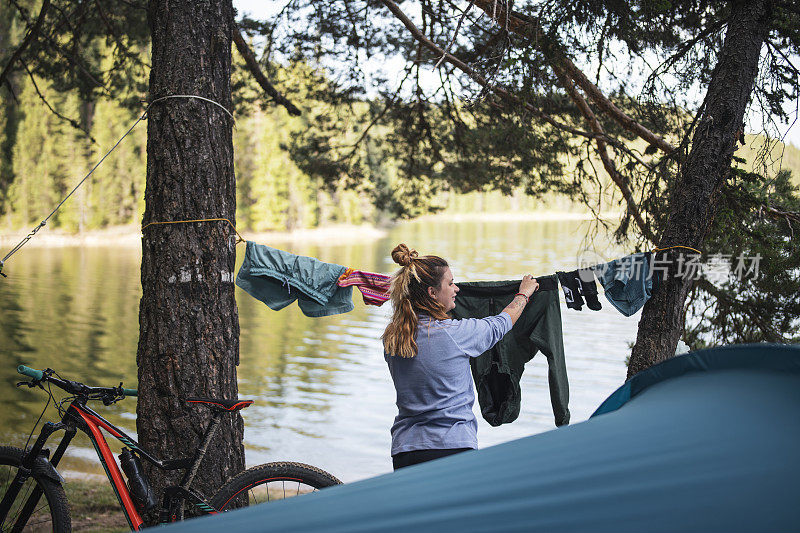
[[434, 389]]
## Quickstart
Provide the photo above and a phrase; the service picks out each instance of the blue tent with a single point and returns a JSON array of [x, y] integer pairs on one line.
[[703, 442]]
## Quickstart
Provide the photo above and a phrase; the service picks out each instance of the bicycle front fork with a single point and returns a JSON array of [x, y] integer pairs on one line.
[[27, 465]]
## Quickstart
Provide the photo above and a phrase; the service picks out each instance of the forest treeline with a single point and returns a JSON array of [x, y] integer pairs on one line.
[[44, 155]]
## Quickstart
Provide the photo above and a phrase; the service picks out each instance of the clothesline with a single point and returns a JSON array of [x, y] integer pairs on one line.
[[269, 274]]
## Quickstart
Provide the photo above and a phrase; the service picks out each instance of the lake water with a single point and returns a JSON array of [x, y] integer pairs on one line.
[[321, 387]]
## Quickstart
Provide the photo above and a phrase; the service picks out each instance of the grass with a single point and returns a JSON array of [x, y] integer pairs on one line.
[[94, 507]]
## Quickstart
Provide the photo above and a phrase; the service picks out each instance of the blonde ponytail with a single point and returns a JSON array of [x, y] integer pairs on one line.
[[409, 294]]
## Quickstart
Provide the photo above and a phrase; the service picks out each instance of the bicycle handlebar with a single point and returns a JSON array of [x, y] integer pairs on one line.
[[30, 372], [38, 375]]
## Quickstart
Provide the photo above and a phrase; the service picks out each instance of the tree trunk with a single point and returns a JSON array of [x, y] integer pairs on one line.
[[84, 194], [189, 325], [693, 201]]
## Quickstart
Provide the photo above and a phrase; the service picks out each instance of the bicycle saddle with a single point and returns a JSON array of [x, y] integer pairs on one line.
[[216, 403]]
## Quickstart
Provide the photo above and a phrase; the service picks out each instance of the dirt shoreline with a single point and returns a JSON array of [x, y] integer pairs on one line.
[[513, 216], [131, 236]]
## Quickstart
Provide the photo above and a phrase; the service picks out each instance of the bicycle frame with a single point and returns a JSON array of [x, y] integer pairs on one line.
[[79, 416], [94, 422]]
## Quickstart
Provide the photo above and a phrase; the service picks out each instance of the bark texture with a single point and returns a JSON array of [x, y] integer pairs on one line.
[[693, 202], [189, 325]]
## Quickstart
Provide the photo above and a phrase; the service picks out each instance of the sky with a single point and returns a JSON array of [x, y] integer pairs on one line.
[[259, 9]]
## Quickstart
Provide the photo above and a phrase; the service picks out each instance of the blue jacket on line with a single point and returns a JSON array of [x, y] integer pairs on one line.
[[278, 278]]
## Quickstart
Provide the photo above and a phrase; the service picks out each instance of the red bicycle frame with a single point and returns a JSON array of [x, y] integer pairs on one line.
[[84, 418], [93, 423]]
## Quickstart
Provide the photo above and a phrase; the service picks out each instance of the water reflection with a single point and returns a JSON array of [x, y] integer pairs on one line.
[[322, 391]]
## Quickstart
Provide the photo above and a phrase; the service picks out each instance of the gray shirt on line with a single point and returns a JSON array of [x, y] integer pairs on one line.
[[434, 389]]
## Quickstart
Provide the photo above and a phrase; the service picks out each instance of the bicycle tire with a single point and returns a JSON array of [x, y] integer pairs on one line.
[[50, 514], [261, 483]]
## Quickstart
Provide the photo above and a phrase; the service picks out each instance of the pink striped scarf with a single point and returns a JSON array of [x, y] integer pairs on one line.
[[374, 287]]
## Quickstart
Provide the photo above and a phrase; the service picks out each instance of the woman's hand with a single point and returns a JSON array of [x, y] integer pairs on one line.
[[526, 289], [528, 286]]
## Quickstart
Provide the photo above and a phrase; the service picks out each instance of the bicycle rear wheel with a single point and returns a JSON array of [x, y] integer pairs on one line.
[[51, 512], [270, 482]]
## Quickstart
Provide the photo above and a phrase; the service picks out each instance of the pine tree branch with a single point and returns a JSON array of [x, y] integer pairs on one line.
[[11, 91], [779, 214], [395, 97], [602, 151], [32, 32], [455, 36], [684, 49], [70, 121], [56, 46], [528, 27], [133, 5], [117, 39], [475, 76], [479, 51], [784, 56], [252, 65], [597, 131], [743, 307]]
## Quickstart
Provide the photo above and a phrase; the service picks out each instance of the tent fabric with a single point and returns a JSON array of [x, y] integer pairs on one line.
[[778, 357], [704, 442]]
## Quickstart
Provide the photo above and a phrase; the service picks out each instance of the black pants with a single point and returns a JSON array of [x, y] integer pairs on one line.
[[498, 371], [404, 459]]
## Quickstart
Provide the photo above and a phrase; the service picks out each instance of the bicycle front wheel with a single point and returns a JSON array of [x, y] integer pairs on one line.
[[270, 482], [50, 511]]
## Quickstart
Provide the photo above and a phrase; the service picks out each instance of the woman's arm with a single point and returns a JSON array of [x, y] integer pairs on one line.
[[526, 290], [473, 336]]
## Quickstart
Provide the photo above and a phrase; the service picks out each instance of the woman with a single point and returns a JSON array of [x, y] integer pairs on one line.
[[428, 356]]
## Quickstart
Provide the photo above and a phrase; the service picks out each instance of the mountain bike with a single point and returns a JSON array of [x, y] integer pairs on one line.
[[33, 496]]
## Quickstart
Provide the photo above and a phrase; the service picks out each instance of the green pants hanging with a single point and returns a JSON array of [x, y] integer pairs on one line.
[[497, 372]]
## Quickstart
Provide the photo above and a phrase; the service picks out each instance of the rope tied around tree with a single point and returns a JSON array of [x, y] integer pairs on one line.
[[678, 246], [43, 223], [238, 235], [162, 98]]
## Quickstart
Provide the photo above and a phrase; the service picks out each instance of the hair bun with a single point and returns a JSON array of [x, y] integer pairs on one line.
[[403, 255]]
